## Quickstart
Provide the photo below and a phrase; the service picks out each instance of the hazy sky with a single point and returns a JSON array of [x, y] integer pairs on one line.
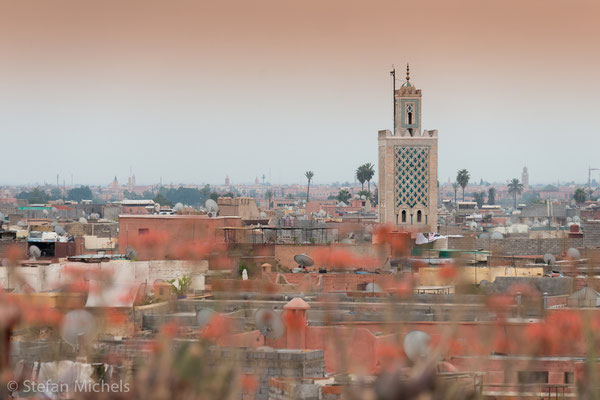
[[193, 90]]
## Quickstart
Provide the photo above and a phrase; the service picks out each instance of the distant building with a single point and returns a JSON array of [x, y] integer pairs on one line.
[[525, 179], [408, 166]]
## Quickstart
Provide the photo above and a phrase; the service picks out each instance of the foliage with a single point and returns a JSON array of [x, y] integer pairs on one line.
[[183, 195], [515, 188], [162, 200], [132, 195], [343, 195], [579, 196], [364, 173], [479, 198], [491, 196], [309, 175], [183, 285], [455, 187], [462, 178], [365, 193], [36, 196], [269, 197], [80, 193]]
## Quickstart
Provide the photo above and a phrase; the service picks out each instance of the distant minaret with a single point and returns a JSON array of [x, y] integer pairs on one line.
[[525, 178], [227, 180]]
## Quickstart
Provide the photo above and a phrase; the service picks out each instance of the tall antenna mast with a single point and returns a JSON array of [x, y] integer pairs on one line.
[[393, 73]]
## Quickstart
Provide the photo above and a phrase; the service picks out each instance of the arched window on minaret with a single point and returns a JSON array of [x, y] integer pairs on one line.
[[419, 216], [403, 215]]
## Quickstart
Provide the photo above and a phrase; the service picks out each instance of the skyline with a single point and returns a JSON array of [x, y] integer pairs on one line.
[[195, 91]]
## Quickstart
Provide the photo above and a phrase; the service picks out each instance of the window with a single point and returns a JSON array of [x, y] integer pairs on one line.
[[410, 118], [532, 376], [143, 231], [403, 215], [569, 377], [419, 216]]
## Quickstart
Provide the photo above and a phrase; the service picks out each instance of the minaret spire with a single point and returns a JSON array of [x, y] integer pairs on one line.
[[407, 74]]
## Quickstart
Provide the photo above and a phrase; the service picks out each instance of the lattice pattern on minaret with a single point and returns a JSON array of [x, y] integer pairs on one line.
[[411, 176]]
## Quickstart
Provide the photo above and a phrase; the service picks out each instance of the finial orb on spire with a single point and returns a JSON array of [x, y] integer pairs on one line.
[[407, 83]]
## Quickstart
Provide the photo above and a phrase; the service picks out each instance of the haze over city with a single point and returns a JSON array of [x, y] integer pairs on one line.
[[190, 92]]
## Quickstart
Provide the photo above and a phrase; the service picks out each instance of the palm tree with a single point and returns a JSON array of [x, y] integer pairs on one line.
[[269, 197], [515, 187], [462, 178], [309, 175], [455, 187], [361, 176], [369, 174]]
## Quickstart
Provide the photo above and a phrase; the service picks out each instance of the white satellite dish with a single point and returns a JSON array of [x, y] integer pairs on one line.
[[269, 323], [484, 236], [203, 317], [131, 253], [416, 345], [497, 236], [178, 207], [35, 252], [83, 221], [263, 215], [60, 230], [549, 259], [211, 206], [78, 328], [373, 288], [573, 254]]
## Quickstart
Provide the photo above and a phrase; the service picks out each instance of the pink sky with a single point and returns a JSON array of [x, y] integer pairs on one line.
[[191, 91]]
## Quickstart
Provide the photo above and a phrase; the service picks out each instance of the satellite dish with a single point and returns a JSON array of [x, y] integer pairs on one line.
[[573, 254], [21, 223], [373, 288], [303, 260], [45, 212], [203, 317], [269, 323], [346, 241], [549, 259], [211, 206], [178, 207], [82, 220], [34, 252], [60, 230], [416, 345], [78, 328], [497, 236], [131, 253], [94, 216], [1, 216], [54, 223], [263, 215], [484, 236]]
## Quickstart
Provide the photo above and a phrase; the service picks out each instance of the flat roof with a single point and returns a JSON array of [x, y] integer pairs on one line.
[[176, 216]]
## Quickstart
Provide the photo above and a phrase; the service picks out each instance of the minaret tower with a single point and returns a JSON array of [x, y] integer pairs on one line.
[[408, 165]]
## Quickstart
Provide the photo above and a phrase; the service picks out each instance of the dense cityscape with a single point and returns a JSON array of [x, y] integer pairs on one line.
[[437, 266]]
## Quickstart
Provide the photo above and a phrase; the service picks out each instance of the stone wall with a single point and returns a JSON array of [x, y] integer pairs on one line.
[[591, 233], [284, 254], [526, 246], [48, 277], [266, 363], [304, 389]]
